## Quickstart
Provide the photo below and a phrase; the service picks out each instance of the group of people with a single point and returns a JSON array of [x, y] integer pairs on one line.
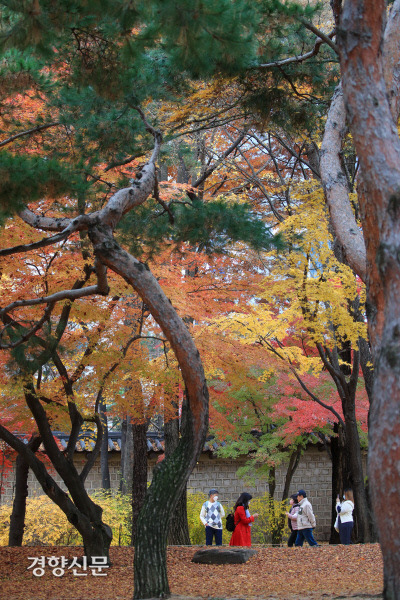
[[301, 519]]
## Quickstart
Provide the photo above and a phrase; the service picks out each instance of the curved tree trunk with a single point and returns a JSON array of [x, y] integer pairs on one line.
[[170, 476], [178, 534], [168, 483]]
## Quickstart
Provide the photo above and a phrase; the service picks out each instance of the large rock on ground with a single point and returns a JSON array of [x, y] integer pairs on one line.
[[223, 556]]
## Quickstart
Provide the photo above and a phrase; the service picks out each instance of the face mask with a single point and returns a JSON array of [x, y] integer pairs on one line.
[[344, 497], [215, 498]]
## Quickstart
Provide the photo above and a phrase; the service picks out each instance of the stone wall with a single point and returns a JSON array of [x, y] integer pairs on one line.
[[313, 474]]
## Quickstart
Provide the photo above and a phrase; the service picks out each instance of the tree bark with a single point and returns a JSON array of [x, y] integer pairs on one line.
[[378, 147], [340, 473], [126, 456], [178, 534], [290, 471], [17, 519], [139, 472], [336, 187], [345, 378], [361, 509], [104, 466]]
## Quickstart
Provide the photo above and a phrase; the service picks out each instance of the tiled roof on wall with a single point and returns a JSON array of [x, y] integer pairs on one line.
[[155, 442]]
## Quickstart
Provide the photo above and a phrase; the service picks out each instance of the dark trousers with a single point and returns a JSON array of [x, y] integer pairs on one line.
[[305, 534], [212, 532], [345, 530], [292, 537]]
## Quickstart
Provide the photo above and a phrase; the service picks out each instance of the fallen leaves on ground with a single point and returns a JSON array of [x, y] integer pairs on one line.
[[283, 573]]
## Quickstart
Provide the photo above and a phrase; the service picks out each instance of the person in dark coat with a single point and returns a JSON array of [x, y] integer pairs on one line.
[[241, 535]]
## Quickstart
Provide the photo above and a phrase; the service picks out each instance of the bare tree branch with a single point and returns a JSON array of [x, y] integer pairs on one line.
[[30, 332], [227, 152]]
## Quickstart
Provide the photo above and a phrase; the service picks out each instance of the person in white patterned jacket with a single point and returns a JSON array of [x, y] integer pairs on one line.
[[211, 515], [305, 520]]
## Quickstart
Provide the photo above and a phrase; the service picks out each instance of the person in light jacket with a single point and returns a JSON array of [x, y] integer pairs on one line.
[[305, 520], [292, 520], [345, 513]]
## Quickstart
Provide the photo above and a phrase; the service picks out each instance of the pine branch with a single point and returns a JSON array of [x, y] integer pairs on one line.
[[302, 57], [323, 36], [28, 132]]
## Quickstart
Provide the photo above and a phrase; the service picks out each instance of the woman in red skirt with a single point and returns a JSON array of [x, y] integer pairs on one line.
[[241, 535]]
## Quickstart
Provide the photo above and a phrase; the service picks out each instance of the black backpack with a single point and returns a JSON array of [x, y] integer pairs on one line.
[[230, 522]]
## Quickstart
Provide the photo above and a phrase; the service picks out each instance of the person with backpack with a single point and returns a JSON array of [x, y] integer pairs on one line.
[[211, 516], [241, 535], [292, 520]]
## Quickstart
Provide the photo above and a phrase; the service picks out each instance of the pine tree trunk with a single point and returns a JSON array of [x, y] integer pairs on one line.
[[170, 477], [178, 534], [169, 480], [374, 130]]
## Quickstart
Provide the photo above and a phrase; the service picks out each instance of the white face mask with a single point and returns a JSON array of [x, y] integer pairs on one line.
[[215, 498], [344, 497]]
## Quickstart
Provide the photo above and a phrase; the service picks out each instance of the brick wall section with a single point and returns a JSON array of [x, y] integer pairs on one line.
[[313, 474]]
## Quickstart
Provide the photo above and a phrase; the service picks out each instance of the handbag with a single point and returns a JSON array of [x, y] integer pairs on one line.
[[337, 523]]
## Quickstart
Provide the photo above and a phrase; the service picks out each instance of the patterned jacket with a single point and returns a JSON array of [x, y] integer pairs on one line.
[[211, 514]]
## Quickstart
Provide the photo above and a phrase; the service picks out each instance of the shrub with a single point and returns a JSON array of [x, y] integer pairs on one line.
[[270, 526], [47, 525]]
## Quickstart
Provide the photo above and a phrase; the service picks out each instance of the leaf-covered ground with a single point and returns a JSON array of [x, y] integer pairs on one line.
[[291, 573]]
